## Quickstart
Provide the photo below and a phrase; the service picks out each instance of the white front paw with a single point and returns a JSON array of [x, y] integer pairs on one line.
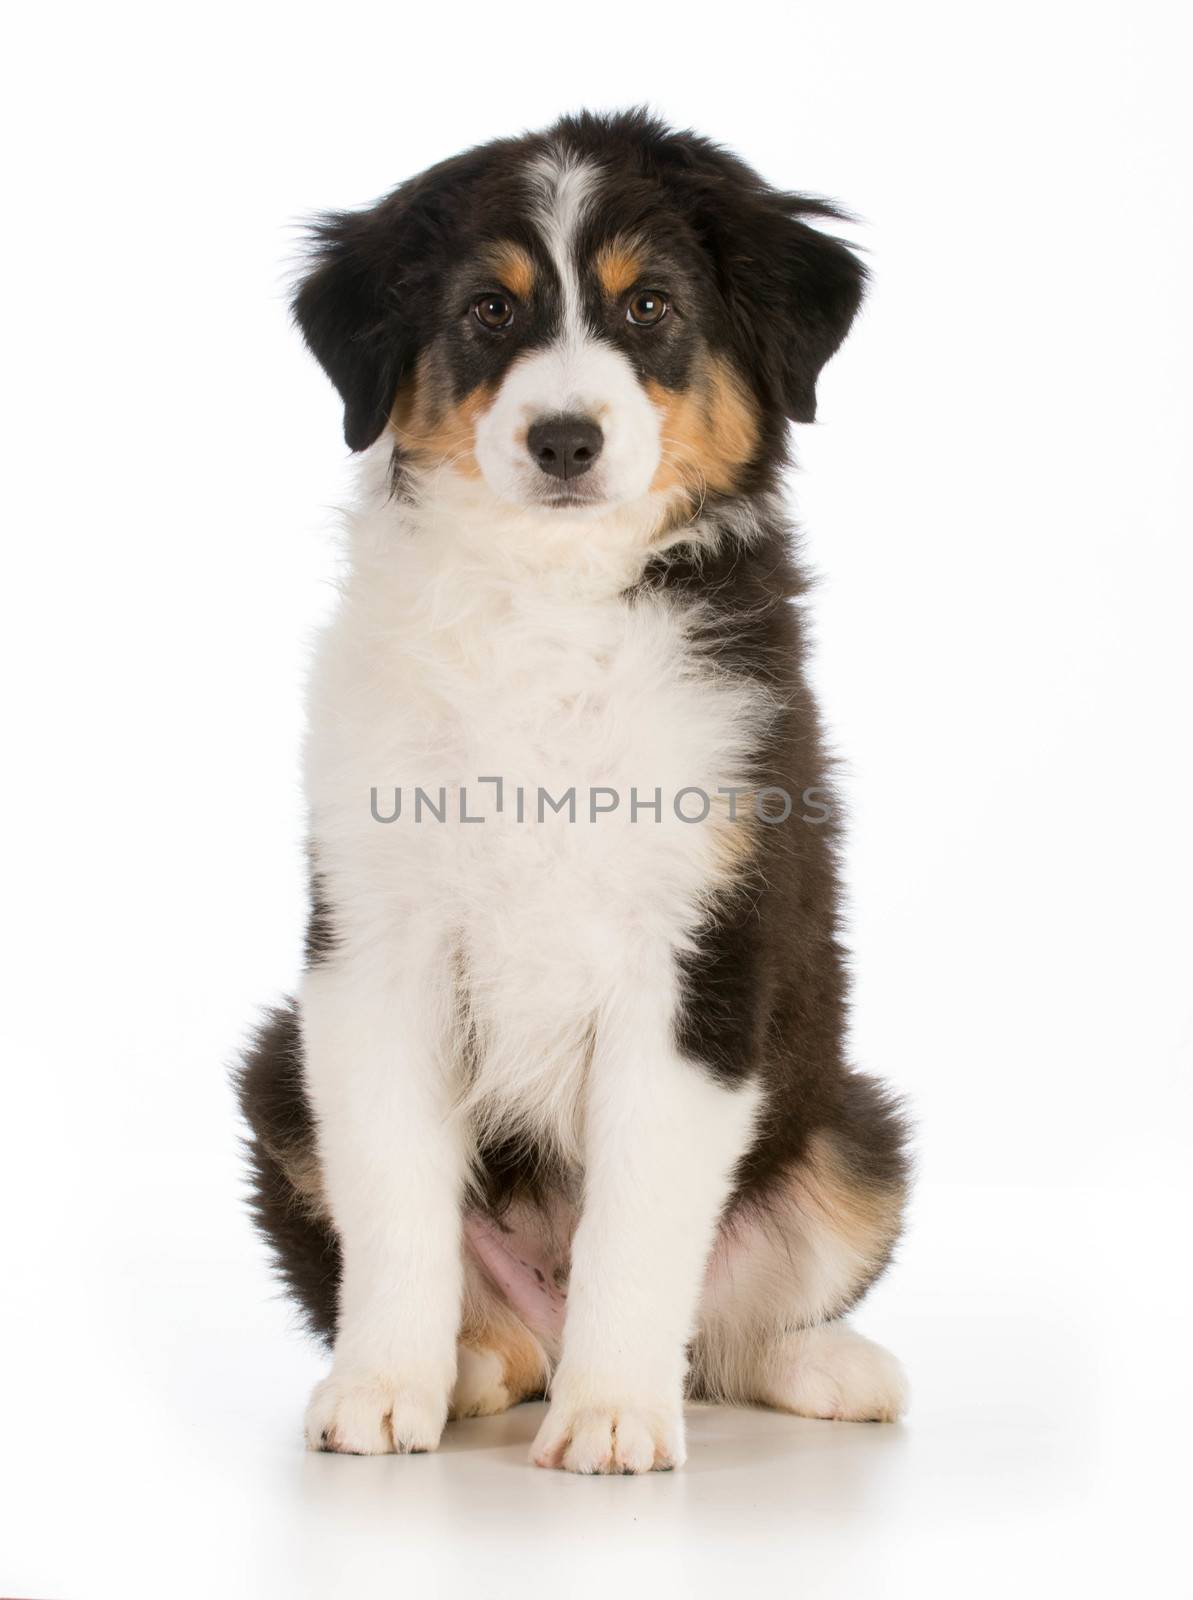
[[374, 1414], [603, 1437]]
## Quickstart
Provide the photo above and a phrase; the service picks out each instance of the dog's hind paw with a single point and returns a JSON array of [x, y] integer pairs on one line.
[[834, 1373]]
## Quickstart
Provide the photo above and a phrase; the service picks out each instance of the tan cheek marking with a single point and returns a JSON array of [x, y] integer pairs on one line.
[[618, 266], [709, 430], [435, 431], [513, 267]]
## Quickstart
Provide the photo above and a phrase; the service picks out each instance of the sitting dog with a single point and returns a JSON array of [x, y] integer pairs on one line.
[[562, 1107]]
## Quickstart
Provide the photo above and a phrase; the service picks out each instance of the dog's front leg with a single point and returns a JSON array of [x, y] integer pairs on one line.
[[393, 1163], [662, 1138]]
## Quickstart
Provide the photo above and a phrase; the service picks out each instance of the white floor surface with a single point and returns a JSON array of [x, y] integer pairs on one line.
[[152, 1444]]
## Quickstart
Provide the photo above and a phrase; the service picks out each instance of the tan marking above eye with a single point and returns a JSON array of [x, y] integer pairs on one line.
[[619, 266], [513, 267]]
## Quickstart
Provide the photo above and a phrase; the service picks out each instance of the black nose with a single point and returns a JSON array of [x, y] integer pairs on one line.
[[565, 447]]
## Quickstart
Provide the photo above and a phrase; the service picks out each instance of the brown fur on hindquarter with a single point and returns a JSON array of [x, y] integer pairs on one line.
[[489, 1326], [797, 1256], [286, 1196]]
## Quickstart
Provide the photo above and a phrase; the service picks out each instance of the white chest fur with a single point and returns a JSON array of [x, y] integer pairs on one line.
[[465, 651]]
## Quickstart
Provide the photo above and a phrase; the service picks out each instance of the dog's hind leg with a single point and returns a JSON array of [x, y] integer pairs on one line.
[[501, 1362], [829, 1371], [288, 1200], [785, 1271]]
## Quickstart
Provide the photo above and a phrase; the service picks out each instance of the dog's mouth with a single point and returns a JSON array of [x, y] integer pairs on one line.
[[576, 499]]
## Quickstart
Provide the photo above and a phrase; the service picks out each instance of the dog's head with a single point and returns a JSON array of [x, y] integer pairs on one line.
[[582, 318]]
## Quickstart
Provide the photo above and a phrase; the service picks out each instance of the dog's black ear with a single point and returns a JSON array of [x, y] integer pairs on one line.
[[817, 285], [350, 309], [791, 291]]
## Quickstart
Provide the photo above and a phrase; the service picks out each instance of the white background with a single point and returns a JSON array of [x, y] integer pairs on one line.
[[997, 498]]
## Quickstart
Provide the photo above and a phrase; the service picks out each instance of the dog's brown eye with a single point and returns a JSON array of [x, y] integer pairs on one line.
[[493, 311], [646, 308]]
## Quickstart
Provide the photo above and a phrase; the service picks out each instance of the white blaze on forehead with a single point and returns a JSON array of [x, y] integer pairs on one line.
[[564, 187], [579, 371]]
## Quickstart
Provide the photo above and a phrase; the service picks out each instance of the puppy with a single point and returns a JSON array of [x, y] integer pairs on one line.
[[562, 1107]]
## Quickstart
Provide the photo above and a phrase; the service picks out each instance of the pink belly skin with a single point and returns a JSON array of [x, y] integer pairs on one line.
[[527, 1267]]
